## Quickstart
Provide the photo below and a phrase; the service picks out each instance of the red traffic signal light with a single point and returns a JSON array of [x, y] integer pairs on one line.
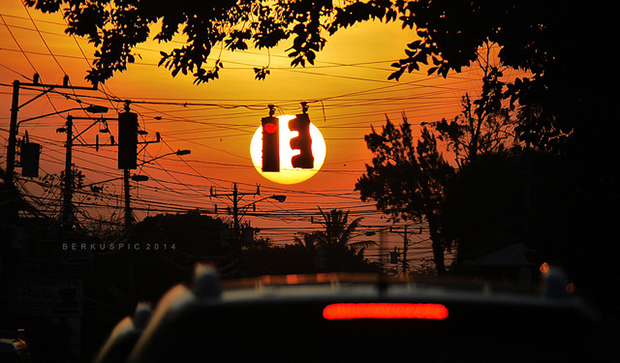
[[302, 142], [127, 140], [271, 144], [271, 127]]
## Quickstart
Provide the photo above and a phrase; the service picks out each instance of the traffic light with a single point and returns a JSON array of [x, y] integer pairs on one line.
[[394, 257], [302, 142], [271, 144], [29, 159], [127, 140]]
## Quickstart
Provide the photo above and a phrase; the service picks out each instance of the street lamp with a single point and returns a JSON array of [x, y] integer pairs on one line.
[[89, 109], [178, 153], [279, 198], [244, 209]]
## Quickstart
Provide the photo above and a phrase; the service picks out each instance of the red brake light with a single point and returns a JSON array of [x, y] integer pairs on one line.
[[270, 128], [385, 311]]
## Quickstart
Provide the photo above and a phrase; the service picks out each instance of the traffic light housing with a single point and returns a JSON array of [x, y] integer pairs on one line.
[[394, 257], [271, 144], [302, 142], [127, 140], [29, 159]]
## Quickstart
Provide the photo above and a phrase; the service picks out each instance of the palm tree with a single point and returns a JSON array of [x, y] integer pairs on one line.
[[309, 240], [338, 232]]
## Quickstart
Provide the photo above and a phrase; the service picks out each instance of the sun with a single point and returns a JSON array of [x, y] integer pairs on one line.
[[288, 174]]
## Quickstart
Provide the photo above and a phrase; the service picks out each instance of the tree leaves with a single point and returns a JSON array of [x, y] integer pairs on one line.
[[203, 76], [115, 27], [237, 39], [406, 179], [398, 180], [261, 73], [338, 232], [531, 34]]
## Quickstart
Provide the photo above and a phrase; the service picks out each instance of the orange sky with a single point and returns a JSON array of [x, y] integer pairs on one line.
[[347, 89]]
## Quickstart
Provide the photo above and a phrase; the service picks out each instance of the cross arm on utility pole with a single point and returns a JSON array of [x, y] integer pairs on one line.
[[236, 197], [15, 107]]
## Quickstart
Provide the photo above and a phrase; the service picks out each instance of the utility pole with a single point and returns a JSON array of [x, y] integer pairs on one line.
[[10, 155], [67, 207], [128, 218], [128, 215], [67, 219], [9, 185], [15, 107], [236, 213], [405, 248], [236, 197], [405, 234], [236, 240]]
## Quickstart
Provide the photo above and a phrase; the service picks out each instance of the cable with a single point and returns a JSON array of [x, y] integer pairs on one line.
[[43, 39], [18, 45], [199, 121]]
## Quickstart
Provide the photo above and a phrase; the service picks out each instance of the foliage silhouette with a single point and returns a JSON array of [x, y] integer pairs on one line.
[[567, 105], [407, 180], [517, 196], [334, 243], [338, 232], [484, 125], [538, 37], [116, 27]]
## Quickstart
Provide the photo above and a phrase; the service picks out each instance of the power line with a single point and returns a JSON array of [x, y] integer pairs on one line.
[[42, 38], [223, 114]]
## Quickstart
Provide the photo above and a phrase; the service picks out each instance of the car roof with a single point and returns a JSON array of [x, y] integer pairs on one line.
[[189, 316]]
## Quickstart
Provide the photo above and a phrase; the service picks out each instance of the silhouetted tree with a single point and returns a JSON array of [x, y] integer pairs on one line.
[[567, 105], [192, 233], [309, 240], [516, 196], [407, 181], [484, 125], [475, 218], [485, 208], [171, 244], [116, 27], [338, 232], [333, 248], [539, 37]]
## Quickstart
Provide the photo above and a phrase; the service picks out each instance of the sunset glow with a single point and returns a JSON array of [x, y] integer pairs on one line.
[[347, 92], [392, 171]]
